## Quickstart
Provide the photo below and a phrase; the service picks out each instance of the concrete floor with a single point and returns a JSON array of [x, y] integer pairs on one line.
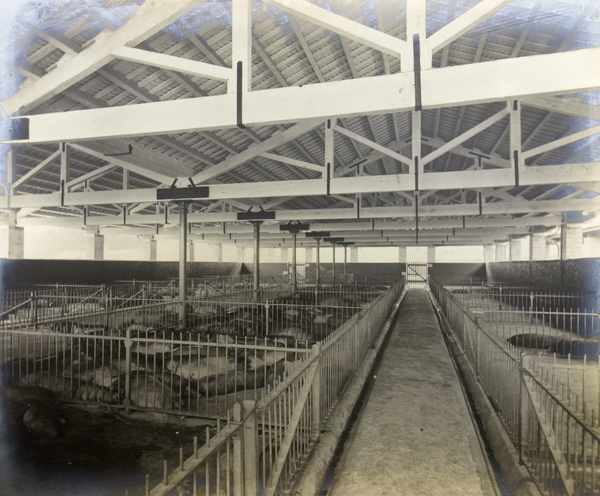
[[414, 435]]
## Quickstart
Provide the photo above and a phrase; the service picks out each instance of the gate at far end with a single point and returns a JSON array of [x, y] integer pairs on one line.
[[416, 273]]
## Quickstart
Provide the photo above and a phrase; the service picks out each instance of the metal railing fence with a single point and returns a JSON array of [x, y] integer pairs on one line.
[[555, 442], [487, 297], [270, 438]]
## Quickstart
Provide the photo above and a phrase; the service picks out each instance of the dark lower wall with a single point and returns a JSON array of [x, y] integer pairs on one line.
[[446, 273], [553, 276], [26, 272]]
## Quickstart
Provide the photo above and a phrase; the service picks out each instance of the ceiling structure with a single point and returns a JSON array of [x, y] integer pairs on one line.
[[383, 122]]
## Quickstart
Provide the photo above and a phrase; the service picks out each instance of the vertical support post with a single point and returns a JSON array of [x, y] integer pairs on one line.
[[238, 475], [521, 410], [241, 37], [64, 169], [318, 270], [328, 172], [183, 263], [256, 286], [10, 172], [316, 395], [515, 139], [333, 263], [345, 264], [127, 401], [250, 447], [294, 270]]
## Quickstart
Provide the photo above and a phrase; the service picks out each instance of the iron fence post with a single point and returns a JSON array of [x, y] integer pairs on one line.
[[316, 394], [267, 317], [238, 476], [520, 410], [250, 447], [127, 369], [33, 308]]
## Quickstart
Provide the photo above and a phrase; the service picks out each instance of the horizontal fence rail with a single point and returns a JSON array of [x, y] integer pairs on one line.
[[556, 432]]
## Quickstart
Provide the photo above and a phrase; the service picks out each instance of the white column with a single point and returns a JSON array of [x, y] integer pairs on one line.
[[500, 251], [431, 254], [95, 245], [285, 254], [309, 254], [489, 253], [354, 254], [591, 247], [514, 249], [152, 249], [220, 253], [538, 247], [16, 243], [239, 254], [191, 254], [571, 239], [402, 254]]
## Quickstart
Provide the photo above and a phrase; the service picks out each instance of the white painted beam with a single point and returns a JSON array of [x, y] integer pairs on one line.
[[490, 121], [464, 23], [447, 86], [486, 178], [588, 172], [141, 165], [241, 45], [446, 219], [509, 79], [561, 142], [149, 18], [35, 170], [179, 64], [90, 176], [337, 186], [374, 146], [345, 27], [416, 25], [255, 150], [565, 105], [292, 161]]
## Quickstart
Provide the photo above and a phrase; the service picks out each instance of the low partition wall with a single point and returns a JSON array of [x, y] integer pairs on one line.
[[558, 440]]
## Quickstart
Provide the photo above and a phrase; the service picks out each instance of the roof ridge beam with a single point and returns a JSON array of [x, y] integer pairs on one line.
[[150, 17], [344, 27]]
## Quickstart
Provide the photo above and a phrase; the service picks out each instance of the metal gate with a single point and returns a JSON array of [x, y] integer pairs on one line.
[[416, 273], [300, 272]]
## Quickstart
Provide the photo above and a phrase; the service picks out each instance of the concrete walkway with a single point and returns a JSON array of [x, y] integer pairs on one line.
[[413, 435]]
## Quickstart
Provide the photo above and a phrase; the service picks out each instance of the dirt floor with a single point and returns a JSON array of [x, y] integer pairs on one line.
[[98, 453]]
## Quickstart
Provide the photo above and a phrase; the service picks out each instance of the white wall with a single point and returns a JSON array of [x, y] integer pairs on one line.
[[46, 242], [460, 254], [375, 254]]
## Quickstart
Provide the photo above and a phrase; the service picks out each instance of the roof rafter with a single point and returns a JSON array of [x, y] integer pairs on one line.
[[150, 17]]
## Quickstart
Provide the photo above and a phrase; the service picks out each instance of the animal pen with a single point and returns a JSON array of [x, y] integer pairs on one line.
[[269, 372], [536, 357]]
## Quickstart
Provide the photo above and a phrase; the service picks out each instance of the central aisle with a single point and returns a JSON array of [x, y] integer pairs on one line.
[[413, 435]]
